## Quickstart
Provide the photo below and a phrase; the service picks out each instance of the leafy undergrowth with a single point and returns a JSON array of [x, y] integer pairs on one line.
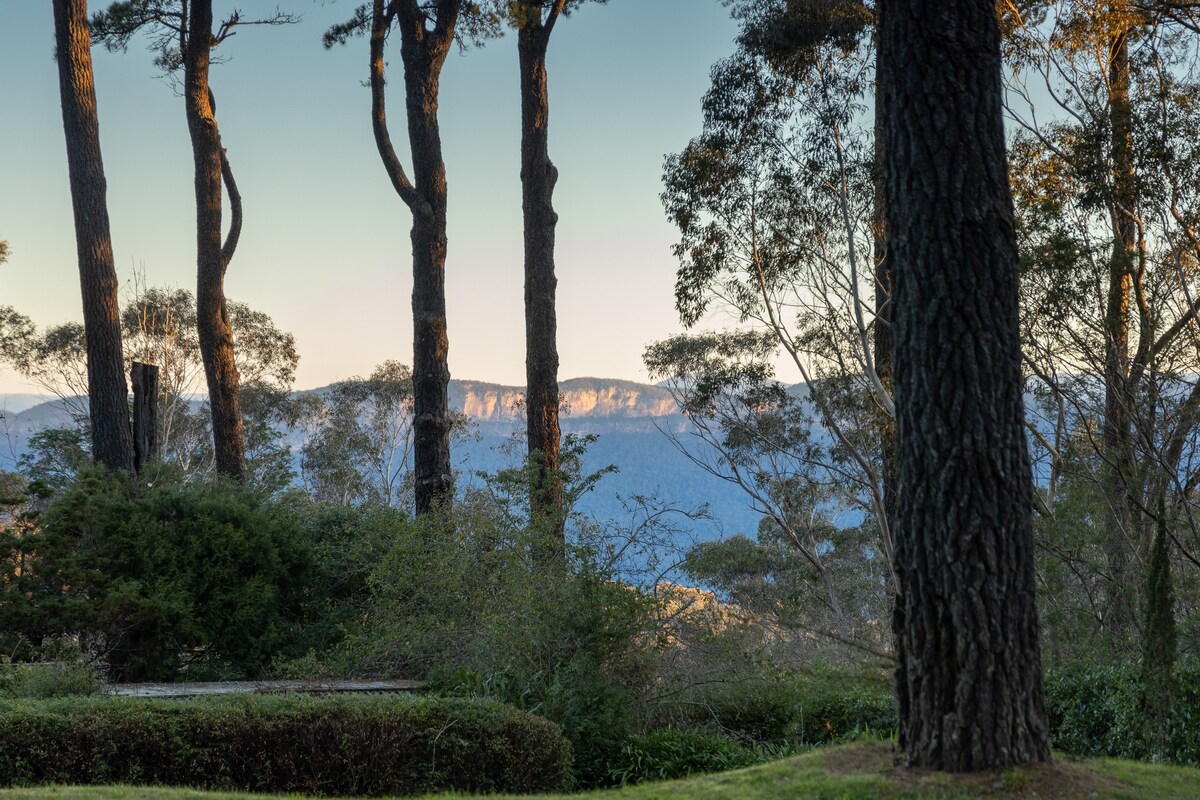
[[859, 771]]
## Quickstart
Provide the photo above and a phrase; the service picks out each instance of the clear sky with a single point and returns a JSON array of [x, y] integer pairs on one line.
[[325, 247]]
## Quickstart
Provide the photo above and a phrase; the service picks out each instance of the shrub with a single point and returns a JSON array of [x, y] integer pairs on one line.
[[343, 745], [673, 753], [156, 576], [1097, 710], [53, 679], [798, 709], [470, 605]]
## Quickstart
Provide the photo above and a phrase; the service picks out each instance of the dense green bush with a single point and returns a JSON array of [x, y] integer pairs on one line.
[[802, 709], [155, 577], [347, 543], [382, 744], [673, 753], [1097, 710]]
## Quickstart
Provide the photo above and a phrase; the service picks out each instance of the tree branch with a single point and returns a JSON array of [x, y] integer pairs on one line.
[[235, 212], [381, 21]]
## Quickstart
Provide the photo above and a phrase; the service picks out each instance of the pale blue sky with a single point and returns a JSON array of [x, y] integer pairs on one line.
[[325, 247]]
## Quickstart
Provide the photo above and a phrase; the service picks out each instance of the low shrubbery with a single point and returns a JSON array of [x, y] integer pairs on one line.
[[159, 578], [1097, 710], [473, 609], [800, 710], [370, 745], [673, 753], [53, 679]]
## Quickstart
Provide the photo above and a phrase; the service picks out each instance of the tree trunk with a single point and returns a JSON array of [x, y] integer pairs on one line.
[[884, 340], [538, 176], [884, 343], [108, 400], [1116, 433], [1160, 648], [431, 370], [970, 680], [215, 332], [145, 413]]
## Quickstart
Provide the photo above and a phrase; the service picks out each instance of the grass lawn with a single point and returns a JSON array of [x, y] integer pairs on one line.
[[860, 771]]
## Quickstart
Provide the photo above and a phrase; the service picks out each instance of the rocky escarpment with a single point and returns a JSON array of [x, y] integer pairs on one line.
[[581, 397]]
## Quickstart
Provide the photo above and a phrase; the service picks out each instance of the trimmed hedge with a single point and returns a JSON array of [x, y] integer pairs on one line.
[[344, 745]]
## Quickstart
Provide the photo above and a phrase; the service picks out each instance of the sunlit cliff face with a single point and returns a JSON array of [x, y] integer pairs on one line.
[[579, 399]]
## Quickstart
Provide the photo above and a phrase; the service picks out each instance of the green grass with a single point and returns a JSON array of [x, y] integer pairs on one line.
[[861, 771]]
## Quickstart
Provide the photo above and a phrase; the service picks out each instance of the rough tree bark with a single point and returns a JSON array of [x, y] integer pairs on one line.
[[423, 51], [884, 343], [112, 439], [538, 176], [213, 255], [970, 679], [145, 413]]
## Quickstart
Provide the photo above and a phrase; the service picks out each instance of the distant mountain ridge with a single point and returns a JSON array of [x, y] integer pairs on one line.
[[628, 417], [479, 400], [580, 397], [16, 403]]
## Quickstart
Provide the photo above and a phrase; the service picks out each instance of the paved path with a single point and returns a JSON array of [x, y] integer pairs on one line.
[[263, 687]]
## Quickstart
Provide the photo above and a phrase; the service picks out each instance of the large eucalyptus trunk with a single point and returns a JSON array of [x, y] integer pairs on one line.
[[538, 176], [108, 404], [970, 678], [212, 256]]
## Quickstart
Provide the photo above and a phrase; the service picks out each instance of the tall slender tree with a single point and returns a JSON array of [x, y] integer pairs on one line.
[[535, 21], [213, 255], [1119, 157], [427, 29], [108, 404], [969, 675], [182, 34]]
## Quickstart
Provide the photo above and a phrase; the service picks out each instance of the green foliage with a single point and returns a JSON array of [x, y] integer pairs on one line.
[[54, 456], [672, 753], [784, 158], [50, 679], [770, 577], [349, 745], [1160, 646], [1099, 710], [470, 606], [156, 578], [789, 35], [476, 21], [800, 710], [857, 771], [776, 444], [348, 543], [159, 327], [1070, 565]]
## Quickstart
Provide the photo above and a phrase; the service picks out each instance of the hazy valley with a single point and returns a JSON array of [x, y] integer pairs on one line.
[[628, 419]]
